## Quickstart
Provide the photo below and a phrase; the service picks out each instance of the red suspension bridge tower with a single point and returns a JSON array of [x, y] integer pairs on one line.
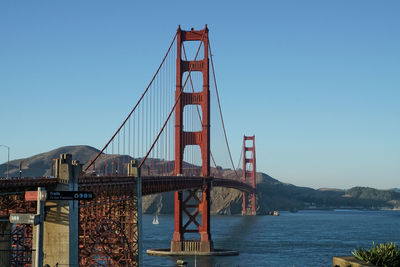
[[106, 231], [192, 205], [249, 174]]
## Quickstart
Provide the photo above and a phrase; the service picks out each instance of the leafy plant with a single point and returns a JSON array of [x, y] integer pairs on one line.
[[382, 255]]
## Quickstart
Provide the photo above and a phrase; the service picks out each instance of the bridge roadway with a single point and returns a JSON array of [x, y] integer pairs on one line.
[[150, 184], [114, 202]]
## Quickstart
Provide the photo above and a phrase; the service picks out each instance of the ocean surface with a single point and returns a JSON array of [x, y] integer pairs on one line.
[[305, 238]]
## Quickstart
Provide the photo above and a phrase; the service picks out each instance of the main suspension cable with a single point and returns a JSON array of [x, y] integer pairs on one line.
[[134, 108], [220, 111], [173, 108]]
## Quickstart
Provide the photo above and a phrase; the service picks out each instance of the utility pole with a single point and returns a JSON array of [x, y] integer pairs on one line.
[[20, 168]]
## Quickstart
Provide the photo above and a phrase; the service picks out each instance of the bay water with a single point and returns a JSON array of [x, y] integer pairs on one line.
[[305, 238]]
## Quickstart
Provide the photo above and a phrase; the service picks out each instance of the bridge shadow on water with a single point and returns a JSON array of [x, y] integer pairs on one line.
[[238, 231]]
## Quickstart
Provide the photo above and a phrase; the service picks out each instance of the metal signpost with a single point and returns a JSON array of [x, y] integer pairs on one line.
[[37, 219], [41, 198]]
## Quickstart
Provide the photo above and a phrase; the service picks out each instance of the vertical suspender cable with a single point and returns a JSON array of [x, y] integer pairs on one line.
[[176, 102], [220, 110], [144, 93]]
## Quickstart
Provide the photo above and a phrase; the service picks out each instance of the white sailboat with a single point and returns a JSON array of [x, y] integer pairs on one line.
[[155, 219]]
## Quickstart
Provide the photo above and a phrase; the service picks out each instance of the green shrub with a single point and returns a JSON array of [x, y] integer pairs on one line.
[[382, 255]]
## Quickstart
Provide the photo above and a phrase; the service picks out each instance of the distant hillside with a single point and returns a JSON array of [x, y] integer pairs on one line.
[[41, 164], [271, 193]]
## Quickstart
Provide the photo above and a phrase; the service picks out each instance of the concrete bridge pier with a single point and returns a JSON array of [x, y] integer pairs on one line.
[[135, 172], [60, 238]]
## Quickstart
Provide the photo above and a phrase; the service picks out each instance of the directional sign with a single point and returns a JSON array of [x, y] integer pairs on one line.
[[32, 195], [24, 218], [69, 195]]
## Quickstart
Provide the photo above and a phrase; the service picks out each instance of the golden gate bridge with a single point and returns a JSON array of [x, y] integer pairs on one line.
[[163, 145]]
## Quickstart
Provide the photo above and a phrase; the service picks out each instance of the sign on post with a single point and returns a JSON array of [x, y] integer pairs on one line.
[[69, 195], [24, 218], [32, 195]]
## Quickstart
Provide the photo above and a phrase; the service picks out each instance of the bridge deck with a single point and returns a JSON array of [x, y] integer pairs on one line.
[[150, 184]]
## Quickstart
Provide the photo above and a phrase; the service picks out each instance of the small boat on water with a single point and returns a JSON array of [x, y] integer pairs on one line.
[[276, 213], [181, 263], [155, 219]]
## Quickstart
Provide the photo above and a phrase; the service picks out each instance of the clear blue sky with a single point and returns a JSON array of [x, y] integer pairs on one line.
[[318, 82]]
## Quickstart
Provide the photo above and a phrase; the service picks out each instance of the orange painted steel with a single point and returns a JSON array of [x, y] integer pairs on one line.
[[150, 185], [108, 223], [184, 205], [20, 235], [107, 217], [249, 174]]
